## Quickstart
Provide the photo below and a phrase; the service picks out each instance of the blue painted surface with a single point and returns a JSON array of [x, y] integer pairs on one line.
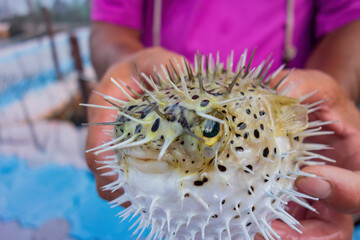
[[356, 235], [33, 196]]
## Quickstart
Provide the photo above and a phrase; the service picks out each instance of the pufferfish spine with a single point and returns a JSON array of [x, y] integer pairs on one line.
[[210, 153]]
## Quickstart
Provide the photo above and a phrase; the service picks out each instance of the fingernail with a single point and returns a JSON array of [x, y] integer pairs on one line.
[[314, 187]]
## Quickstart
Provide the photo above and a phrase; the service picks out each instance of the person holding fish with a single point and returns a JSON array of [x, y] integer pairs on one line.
[[319, 38]]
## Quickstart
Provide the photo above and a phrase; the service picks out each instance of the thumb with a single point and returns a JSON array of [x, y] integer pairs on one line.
[[339, 188]]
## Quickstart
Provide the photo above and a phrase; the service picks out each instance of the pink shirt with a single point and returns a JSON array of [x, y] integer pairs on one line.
[[210, 26]]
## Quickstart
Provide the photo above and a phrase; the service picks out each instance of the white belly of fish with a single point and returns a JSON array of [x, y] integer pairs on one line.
[[221, 205]]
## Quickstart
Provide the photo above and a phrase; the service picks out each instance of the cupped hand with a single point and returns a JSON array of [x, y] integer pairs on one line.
[[338, 189], [125, 70]]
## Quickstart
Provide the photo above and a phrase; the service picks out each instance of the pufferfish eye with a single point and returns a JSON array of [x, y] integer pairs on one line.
[[211, 132], [211, 129]]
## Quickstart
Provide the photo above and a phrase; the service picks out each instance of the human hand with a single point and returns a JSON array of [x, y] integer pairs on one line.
[[339, 187], [145, 60]]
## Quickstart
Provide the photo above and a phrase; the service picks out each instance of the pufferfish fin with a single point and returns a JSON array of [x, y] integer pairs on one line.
[[289, 116]]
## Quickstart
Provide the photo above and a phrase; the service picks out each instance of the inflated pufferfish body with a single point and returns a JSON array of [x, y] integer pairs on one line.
[[209, 153]]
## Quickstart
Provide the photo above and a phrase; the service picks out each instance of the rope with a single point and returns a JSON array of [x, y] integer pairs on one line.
[[290, 49], [156, 30]]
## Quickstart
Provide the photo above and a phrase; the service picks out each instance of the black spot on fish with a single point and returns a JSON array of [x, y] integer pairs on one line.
[[221, 168], [138, 128], [252, 190], [266, 152], [262, 113], [204, 103], [239, 149], [144, 112], [132, 107], [242, 125], [246, 135], [262, 126], [195, 97], [172, 118], [267, 178], [256, 133], [198, 183], [156, 125], [248, 111]]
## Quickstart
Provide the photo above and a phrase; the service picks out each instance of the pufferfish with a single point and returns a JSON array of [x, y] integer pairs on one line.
[[210, 153]]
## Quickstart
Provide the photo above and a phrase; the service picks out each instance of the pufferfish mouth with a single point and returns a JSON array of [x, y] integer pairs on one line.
[[146, 164]]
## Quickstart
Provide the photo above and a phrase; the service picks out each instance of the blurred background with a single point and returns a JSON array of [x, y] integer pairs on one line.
[[46, 190]]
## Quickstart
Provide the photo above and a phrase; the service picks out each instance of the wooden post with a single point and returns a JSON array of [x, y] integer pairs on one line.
[[76, 54], [50, 33]]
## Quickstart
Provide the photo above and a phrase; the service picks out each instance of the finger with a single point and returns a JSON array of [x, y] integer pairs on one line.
[[311, 80], [108, 195], [340, 190], [97, 134], [328, 224], [296, 210], [95, 138]]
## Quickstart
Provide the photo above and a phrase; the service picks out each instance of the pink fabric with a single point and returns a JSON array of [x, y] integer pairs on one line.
[[120, 12], [210, 25]]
